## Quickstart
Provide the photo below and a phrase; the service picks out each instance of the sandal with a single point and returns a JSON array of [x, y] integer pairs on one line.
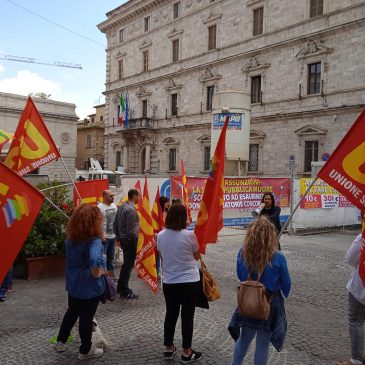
[[169, 355]]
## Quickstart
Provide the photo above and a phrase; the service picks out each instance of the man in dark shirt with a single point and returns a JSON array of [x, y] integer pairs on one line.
[[126, 228]]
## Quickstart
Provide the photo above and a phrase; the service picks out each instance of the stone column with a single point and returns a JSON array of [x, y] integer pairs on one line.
[[148, 158], [125, 158]]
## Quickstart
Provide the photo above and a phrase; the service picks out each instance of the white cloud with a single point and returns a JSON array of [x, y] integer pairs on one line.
[[27, 82], [2, 68]]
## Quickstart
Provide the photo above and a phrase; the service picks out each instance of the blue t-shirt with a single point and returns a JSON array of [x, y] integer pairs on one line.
[[275, 276], [80, 259]]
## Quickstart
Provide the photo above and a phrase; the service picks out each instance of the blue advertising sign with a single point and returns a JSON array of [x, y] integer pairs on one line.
[[235, 121]]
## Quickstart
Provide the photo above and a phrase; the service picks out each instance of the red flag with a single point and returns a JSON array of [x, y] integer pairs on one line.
[[91, 191], [145, 258], [158, 221], [20, 203], [210, 217], [345, 171], [185, 191], [136, 186], [32, 145]]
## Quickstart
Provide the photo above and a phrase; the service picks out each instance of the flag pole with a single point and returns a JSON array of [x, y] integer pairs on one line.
[[296, 207], [72, 180], [55, 187], [55, 206]]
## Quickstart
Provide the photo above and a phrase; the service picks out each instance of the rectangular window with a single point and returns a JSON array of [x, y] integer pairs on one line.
[[118, 159], [316, 8], [256, 89], [145, 61], [120, 69], [101, 118], [177, 9], [144, 108], [88, 141], [310, 154], [147, 23], [212, 37], [175, 50], [253, 162], [174, 104], [121, 35], [172, 159], [258, 21], [206, 158], [314, 78], [210, 92]]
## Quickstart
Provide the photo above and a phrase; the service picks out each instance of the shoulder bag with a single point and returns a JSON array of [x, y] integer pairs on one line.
[[110, 292], [210, 287]]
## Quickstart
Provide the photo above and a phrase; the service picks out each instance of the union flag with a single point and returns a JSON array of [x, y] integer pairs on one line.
[[32, 145], [345, 171], [210, 216], [91, 191], [158, 221], [145, 258], [20, 203], [185, 191]]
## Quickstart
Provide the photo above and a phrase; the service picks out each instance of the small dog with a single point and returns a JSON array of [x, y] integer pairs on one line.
[[98, 339]]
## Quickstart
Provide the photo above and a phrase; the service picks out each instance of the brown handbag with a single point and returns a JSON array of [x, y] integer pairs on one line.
[[210, 287], [252, 299]]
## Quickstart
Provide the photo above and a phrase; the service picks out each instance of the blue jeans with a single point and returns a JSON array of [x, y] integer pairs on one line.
[[243, 344], [356, 318], [109, 250]]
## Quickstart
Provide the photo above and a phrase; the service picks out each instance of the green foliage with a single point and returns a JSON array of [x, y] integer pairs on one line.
[[48, 232]]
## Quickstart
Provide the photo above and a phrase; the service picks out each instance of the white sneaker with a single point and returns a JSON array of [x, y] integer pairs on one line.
[[59, 346], [94, 352]]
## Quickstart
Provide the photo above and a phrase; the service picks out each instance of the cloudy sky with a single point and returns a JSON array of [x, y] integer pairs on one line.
[[28, 29]]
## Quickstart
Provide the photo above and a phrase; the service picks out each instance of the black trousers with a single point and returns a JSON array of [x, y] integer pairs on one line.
[[84, 309], [177, 295], [129, 248]]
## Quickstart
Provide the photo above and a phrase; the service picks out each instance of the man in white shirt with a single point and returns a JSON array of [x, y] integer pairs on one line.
[[108, 210], [356, 305]]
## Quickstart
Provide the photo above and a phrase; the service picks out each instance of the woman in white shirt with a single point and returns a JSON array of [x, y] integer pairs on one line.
[[179, 251]]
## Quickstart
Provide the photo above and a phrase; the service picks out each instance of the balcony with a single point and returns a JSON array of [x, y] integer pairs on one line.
[[137, 123]]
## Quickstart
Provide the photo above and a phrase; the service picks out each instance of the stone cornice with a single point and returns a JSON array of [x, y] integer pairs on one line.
[[172, 85], [133, 9], [142, 92], [212, 18], [145, 44], [311, 49], [175, 32], [45, 115], [208, 75], [254, 65]]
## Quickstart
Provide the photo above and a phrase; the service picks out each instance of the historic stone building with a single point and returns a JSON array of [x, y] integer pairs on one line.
[[302, 62], [60, 119], [90, 138]]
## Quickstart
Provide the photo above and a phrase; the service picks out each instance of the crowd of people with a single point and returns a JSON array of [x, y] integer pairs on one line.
[[93, 232]]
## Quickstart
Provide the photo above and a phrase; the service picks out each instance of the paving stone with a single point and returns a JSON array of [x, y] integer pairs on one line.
[[316, 313]]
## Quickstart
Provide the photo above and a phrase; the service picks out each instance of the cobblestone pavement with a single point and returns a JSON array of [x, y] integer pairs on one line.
[[316, 311]]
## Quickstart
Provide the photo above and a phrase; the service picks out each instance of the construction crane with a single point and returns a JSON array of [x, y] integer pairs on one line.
[[40, 62]]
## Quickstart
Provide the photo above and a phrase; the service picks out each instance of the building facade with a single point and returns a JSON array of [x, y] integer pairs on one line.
[[90, 138], [300, 60], [60, 119]]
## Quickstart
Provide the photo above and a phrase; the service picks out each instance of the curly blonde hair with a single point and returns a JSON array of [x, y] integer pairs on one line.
[[260, 244], [85, 223]]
